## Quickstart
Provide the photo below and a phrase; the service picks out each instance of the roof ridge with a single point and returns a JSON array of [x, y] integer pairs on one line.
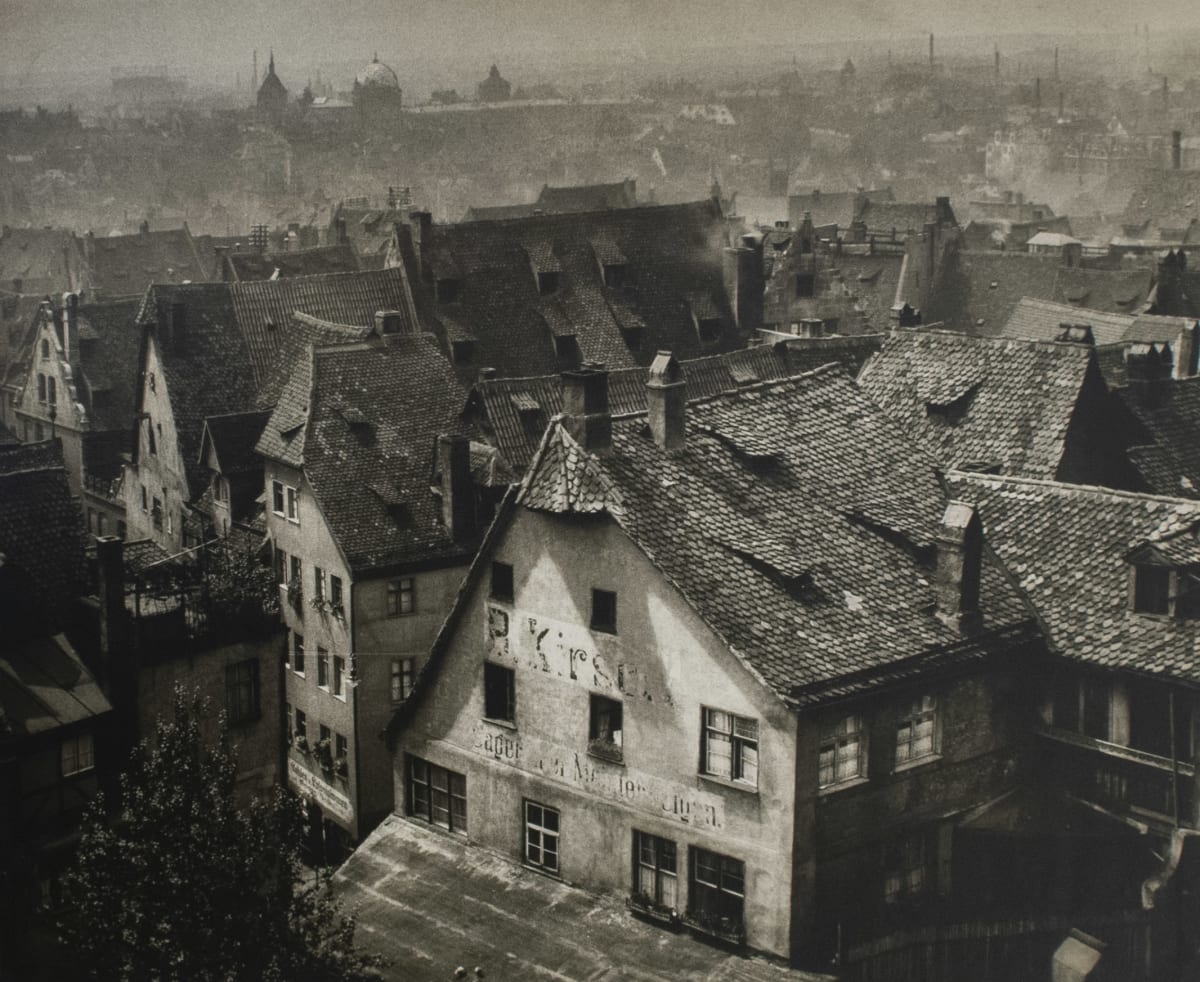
[[998, 339], [576, 215], [1065, 487]]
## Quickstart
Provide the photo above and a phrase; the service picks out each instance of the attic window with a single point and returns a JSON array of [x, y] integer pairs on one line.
[[566, 347], [632, 335], [806, 285], [462, 352], [1152, 589], [616, 274], [547, 282], [709, 330], [448, 290]]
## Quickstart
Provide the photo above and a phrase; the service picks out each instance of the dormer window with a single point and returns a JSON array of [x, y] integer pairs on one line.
[[462, 352], [1152, 590], [547, 282], [448, 290], [709, 331], [566, 347], [616, 274]]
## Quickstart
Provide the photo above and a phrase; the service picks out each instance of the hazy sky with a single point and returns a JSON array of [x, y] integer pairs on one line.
[[219, 34]]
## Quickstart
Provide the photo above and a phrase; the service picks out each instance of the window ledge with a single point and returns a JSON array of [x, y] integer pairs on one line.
[[725, 782], [910, 765], [506, 724], [542, 871], [616, 758], [857, 782]]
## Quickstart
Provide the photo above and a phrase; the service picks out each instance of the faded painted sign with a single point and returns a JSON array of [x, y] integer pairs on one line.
[[579, 771], [305, 783], [537, 643]]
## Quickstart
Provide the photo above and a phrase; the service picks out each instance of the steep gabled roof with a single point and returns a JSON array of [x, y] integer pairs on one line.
[[362, 420], [758, 522], [981, 402], [673, 258], [106, 352], [125, 265], [1067, 547], [1168, 455], [233, 437], [41, 538]]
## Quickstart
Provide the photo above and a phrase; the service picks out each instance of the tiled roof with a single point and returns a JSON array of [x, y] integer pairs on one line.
[[1066, 547], [233, 436], [210, 374], [981, 402], [125, 265], [561, 201], [757, 521], [46, 260], [673, 253], [41, 537], [342, 298], [107, 354], [44, 685], [1167, 199], [900, 216], [1043, 320], [513, 413], [838, 208], [338, 258], [1168, 454], [374, 412], [979, 291], [293, 344]]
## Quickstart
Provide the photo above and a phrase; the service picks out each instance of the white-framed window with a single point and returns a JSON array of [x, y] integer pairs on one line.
[[78, 754], [403, 673], [297, 652], [335, 590], [843, 754], [322, 667], [437, 795], [541, 836], [293, 505], [277, 497], [339, 676], [916, 730], [318, 583], [655, 872], [729, 747]]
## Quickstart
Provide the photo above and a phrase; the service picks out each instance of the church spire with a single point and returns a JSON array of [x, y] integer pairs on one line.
[[271, 66]]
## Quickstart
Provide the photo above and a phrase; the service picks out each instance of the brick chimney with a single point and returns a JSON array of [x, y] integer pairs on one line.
[[1148, 368], [742, 266], [666, 402], [458, 487], [959, 560], [585, 405], [421, 224], [1186, 350], [70, 322]]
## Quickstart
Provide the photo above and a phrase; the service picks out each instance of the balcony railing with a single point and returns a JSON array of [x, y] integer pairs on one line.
[[1123, 779]]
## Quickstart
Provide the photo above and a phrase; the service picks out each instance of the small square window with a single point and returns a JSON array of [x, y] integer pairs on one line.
[[402, 597], [547, 282], [502, 582], [499, 692], [604, 611], [403, 674], [605, 719]]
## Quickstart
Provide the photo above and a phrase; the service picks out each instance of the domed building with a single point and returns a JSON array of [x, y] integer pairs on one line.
[[376, 91]]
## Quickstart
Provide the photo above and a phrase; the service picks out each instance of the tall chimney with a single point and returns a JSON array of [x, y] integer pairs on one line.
[[458, 491], [585, 405], [959, 560], [1185, 350], [70, 318], [1176, 149], [389, 322], [666, 402]]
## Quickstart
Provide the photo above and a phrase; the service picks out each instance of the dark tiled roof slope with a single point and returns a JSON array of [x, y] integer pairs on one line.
[[125, 265], [107, 354], [1066, 547], [234, 437], [210, 374], [1168, 455], [1042, 320], [513, 413], [44, 259], [293, 347], [41, 535], [760, 523], [838, 208], [343, 298], [981, 402], [1167, 199], [338, 258], [587, 197], [979, 291], [673, 252], [374, 413]]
